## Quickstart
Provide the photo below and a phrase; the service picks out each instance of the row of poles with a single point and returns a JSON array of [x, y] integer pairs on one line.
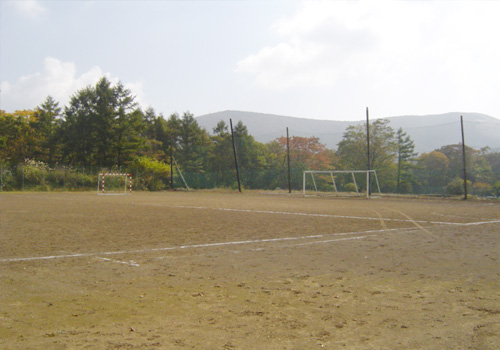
[[172, 159], [369, 165]]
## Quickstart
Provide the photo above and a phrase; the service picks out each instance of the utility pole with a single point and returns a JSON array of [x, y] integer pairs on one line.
[[368, 191], [235, 157], [288, 159], [463, 156], [171, 165]]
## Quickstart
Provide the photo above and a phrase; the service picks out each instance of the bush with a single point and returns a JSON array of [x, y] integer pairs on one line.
[[456, 187], [32, 175], [56, 178], [405, 187], [154, 174], [79, 180], [496, 188], [350, 187], [482, 189], [8, 179]]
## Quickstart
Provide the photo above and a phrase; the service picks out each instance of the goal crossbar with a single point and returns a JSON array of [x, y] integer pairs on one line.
[[335, 172]]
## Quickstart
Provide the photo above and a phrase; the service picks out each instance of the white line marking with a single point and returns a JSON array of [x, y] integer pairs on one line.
[[481, 223], [129, 263], [226, 243], [207, 245], [331, 216], [220, 244], [330, 240]]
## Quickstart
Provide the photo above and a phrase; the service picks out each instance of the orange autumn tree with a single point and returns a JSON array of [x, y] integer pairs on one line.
[[305, 152]]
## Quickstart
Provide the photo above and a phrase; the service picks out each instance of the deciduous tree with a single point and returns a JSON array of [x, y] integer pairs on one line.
[[17, 136], [433, 171], [352, 151]]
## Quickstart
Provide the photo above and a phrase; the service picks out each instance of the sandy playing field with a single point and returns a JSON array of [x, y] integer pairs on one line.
[[205, 270]]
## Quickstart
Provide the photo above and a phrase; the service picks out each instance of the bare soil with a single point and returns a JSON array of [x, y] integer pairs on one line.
[[205, 270]]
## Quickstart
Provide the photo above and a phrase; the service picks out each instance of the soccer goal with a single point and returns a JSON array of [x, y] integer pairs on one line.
[[114, 183], [339, 182]]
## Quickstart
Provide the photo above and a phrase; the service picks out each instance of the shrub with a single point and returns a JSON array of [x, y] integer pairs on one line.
[[482, 189], [32, 175], [456, 187], [8, 179], [150, 174], [496, 188], [350, 187]]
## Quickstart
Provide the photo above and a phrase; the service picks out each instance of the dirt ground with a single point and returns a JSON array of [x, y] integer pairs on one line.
[[205, 270]]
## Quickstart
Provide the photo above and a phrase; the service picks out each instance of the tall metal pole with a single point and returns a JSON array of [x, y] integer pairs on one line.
[[463, 156], [235, 157], [288, 159], [369, 164], [171, 165]]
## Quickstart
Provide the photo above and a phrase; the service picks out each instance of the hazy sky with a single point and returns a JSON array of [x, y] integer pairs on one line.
[[312, 59]]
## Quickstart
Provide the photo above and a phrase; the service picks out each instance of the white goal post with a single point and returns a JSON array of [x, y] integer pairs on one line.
[[333, 174], [114, 183]]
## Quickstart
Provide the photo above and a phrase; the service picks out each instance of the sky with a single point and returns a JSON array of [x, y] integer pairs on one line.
[[312, 59]]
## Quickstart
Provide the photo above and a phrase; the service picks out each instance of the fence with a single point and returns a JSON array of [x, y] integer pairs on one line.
[[33, 176], [37, 177]]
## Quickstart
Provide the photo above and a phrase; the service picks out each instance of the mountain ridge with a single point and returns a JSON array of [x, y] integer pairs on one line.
[[429, 132]]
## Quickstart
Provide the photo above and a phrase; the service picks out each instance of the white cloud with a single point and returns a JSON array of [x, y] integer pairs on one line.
[[326, 41], [30, 8], [57, 79], [287, 65], [440, 52]]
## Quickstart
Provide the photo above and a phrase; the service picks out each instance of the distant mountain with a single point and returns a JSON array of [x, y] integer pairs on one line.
[[429, 132]]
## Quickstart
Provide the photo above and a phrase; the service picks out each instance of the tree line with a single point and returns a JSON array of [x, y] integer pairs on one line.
[[103, 127]]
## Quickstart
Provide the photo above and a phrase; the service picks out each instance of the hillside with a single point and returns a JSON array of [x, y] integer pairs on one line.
[[429, 132]]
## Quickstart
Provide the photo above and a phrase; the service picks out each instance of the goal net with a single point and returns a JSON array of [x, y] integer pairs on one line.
[[114, 183], [340, 182]]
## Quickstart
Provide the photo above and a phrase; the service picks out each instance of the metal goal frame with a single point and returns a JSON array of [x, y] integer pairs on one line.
[[101, 184], [333, 172]]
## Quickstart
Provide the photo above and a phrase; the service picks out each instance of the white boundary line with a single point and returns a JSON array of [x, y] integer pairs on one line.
[[329, 241], [480, 223], [334, 216], [208, 245], [220, 244], [129, 263]]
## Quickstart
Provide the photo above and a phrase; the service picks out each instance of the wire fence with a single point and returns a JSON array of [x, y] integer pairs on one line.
[[39, 177], [36, 177]]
